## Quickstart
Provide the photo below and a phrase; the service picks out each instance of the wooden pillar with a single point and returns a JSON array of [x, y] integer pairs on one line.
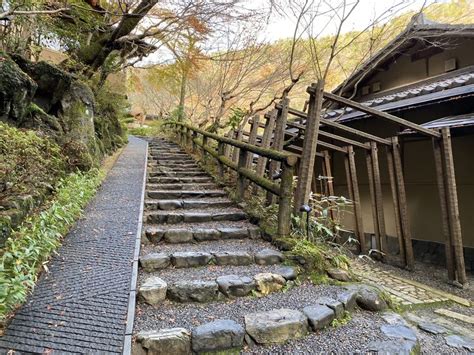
[[278, 140], [308, 155], [440, 179], [396, 205], [402, 201], [351, 173], [455, 248]]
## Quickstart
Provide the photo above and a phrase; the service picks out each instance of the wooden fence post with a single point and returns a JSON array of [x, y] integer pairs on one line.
[[278, 140], [220, 152], [452, 205], [284, 211], [253, 138], [243, 155], [308, 155]]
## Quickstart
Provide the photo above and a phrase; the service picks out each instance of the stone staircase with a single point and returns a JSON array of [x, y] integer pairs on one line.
[[208, 282]]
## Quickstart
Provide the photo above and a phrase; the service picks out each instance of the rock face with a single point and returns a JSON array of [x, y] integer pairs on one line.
[[166, 341], [153, 290], [276, 326], [267, 282], [42, 97], [218, 336], [236, 286]]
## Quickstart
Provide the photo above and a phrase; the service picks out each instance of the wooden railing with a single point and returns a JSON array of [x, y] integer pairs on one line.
[[189, 134]]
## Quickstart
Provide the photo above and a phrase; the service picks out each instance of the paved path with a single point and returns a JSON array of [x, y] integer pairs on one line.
[[81, 305], [405, 292]]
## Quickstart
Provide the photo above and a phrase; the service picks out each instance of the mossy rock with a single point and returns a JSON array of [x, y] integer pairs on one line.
[[16, 91]]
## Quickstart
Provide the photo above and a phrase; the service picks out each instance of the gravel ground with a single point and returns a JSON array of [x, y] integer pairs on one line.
[[207, 273], [248, 245], [432, 275]]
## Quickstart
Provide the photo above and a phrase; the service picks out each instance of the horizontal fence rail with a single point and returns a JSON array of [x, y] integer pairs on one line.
[[284, 190]]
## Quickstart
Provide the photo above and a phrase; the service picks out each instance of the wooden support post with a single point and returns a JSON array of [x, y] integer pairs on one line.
[[284, 211], [238, 136], [355, 196], [308, 156], [440, 179], [266, 140], [402, 201], [204, 153], [220, 152], [453, 205], [378, 196], [252, 138], [396, 205], [278, 140], [243, 155], [373, 199]]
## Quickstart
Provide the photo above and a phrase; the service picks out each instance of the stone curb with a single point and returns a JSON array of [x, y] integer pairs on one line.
[[127, 347]]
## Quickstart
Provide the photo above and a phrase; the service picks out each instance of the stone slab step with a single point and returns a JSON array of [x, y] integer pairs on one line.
[[169, 205], [194, 216], [158, 261], [182, 186], [207, 290], [179, 174], [198, 233], [179, 180], [183, 194]]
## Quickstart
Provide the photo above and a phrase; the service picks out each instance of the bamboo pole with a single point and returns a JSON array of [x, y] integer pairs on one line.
[[308, 156]]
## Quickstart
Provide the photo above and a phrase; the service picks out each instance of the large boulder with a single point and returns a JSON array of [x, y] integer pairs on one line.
[[16, 91]]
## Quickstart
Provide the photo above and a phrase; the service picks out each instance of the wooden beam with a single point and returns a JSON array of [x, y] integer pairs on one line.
[[380, 114], [341, 127], [308, 156], [332, 136]]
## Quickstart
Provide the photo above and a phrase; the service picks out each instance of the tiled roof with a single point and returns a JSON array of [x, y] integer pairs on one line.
[[457, 83]]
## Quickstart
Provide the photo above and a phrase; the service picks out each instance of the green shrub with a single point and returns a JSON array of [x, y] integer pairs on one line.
[[27, 160], [31, 244]]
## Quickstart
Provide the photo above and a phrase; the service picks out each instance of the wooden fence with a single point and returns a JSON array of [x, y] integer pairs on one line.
[[245, 152]]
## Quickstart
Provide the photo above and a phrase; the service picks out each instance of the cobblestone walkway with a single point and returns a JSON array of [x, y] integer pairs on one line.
[[404, 291], [81, 305]]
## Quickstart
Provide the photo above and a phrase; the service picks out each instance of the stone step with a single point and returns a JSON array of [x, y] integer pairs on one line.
[[178, 180], [183, 186], [183, 194], [251, 323], [194, 216], [202, 288], [189, 259], [187, 232], [168, 205], [178, 174]]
